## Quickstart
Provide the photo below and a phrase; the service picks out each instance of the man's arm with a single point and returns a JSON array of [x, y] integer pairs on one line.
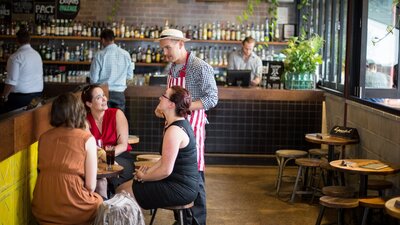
[[7, 90], [209, 90], [95, 70], [257, 72]]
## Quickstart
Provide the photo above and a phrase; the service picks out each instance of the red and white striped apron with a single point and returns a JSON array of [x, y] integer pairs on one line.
[[197, 118]]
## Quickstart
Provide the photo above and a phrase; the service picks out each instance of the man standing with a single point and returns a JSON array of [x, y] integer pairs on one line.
[[246, 59], [24, 81], [197, 77], [112, 65]]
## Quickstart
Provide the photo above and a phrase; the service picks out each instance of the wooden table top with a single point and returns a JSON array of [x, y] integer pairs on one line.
[[133, 139], [355, 167], [391, 209], [328, 139], [102, 171]]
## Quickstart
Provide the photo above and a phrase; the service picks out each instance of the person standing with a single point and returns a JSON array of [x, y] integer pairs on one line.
[[112, 65], [197, 77], [24, 81], [246, 59]]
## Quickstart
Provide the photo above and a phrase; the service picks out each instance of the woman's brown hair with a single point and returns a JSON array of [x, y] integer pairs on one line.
[[87, 95], [182, 100], [68, 111]]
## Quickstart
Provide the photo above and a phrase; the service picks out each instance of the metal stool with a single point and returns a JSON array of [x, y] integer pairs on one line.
[[306, 163], [283, 157], [180, 208], [337, 203], [371, 203]]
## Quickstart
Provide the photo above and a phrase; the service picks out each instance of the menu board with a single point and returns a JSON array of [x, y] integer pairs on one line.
[[44, 11], [5, 11], [67, 9], [22, 6]]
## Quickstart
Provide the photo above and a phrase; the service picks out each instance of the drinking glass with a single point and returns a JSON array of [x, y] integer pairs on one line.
[[110, 156]]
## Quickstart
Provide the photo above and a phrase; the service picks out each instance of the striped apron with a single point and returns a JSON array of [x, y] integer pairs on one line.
[[197, 118]]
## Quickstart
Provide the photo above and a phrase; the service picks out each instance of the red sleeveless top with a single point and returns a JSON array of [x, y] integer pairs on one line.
[[108, 132]]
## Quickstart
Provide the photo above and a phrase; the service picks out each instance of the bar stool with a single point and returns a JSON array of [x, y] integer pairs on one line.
[[306, 163], [371, 203], [180, 208], [379, 185], [133, 139], [337, 203], [148, 157], [322, 153], [283, 157], [325, 167], [339, 191]]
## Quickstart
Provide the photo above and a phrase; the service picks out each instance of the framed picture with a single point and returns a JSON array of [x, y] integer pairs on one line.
[[289, 30]]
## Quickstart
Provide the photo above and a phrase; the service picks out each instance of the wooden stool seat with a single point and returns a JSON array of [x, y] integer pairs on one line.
[[148, 157], [338, 191], [326, 166], [376, 202], [180, 208], [336, 202], [378, 185], [308, 162], [287, 153], [321, 152], [144, 163], [133, 139]]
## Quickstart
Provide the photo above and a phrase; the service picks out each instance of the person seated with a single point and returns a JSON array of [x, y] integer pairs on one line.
[[375, 79], [111, 127], [67, 164], [172, 180], [246, 59]]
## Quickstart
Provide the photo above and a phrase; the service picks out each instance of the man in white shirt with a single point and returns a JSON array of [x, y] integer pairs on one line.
[[24, 80], [246, 59]]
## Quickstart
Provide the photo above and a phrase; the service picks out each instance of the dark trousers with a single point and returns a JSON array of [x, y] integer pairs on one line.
[[197, 215], [18, 100], [117, 100]]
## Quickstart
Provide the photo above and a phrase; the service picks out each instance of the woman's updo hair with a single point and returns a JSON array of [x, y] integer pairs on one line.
[[182, 99]]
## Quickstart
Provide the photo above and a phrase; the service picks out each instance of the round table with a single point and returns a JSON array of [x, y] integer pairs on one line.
[[102, 171], [331, 141], [391, 208], [355, 167]]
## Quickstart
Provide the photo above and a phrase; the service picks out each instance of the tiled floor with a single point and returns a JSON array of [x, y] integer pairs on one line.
[[246, 196]]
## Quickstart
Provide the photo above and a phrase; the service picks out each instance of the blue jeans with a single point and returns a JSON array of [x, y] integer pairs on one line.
[[117, 100]]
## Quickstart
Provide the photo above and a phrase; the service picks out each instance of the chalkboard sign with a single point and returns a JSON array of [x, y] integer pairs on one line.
[[44, 11], [67, 9], [5, 11], [345, 132], [23, 6], [274, 71]]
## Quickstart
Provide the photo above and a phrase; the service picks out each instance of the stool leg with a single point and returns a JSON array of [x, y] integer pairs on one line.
[[153, 216], [280, 164], [340, 217], [364, 219], [320, 215], [295, 184], [181, 217]]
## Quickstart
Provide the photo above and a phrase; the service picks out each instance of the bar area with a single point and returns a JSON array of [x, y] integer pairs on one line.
[[316, 146]]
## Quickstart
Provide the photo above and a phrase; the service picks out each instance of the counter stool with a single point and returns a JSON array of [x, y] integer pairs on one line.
[[322, 153], [133, 139], [338, 191], [306, 163], [180, 208], [337, 203], [283, 157], [371, 203], [325, 166], [148, 157], [379, 185]]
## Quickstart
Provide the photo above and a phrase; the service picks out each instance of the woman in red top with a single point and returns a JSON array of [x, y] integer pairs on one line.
[[111, 127]]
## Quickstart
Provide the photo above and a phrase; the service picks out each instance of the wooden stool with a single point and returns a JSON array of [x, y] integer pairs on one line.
[[325, 166], [144, 163], [371, 203], [338, 191], [322, 153], [337, 203], [379, 185], [180, 208], [133, 139], [148, 157], [283, 157], [307, 163]]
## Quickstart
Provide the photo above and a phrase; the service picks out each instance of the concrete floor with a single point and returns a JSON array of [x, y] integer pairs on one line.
[[246, 196]]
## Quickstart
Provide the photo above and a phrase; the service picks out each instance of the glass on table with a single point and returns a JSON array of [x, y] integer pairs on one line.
[[110, 156]]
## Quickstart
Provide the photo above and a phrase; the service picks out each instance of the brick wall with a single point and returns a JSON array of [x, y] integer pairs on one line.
[[178, 12]]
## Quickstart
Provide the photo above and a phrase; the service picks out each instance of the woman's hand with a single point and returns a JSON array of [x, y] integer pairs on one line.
[[139, 173]]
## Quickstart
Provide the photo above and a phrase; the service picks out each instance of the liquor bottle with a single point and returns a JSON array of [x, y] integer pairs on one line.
[[233, 32], [277, 34], [148, 54], [79, 31], [158, 55], [122, 28], [144, 54], [139, 54], [262, 34], [153, 55], [156, 32], [53, 53], [195, 33], [222, 31], [147, 32], [48, 53], [209, 32], [243, 33], [53, 27], [228, 32], [70, 28], [189, 32], [200, 32], [57, 28], [267, 29], [166, 26], [84, 31], [142, 30], [252, 31], [38, 30], [205, 32], [218, 33], [257, 33]]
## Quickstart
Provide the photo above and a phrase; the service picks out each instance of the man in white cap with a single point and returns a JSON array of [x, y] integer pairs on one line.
[[197, 77]]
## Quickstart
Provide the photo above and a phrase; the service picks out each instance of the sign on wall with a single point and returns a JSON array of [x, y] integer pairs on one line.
[[67, 9], [44, 11], [22, 6]]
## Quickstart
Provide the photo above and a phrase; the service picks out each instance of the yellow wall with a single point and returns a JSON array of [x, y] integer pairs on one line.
[[17, 180]]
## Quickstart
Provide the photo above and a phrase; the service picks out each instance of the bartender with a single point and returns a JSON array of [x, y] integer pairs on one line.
[[246, 59]]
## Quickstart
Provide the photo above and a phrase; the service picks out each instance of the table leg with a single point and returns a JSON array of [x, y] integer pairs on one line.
[[363, 186], [331, 155]]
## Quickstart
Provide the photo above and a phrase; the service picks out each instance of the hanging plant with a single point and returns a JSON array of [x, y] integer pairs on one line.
[[389, 28], [114, 9]]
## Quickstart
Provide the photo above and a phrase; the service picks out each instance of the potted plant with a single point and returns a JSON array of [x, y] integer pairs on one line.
[[300, 64]]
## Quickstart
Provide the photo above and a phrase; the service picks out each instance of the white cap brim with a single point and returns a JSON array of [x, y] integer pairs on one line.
[[172, 38]]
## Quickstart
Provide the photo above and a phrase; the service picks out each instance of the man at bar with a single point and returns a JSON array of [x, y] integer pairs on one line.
[[197, 77], [112, 65], [24, 81], [246, 59]]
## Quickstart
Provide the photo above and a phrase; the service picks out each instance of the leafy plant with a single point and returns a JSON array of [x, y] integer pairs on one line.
[[302, 55], [114, 9], [389, 28]]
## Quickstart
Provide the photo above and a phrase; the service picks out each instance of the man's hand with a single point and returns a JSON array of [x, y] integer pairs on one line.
[[159, 113]]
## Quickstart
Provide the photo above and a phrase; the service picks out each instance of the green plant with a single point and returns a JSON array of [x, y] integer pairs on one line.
[[114, 9], [302, 55]]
